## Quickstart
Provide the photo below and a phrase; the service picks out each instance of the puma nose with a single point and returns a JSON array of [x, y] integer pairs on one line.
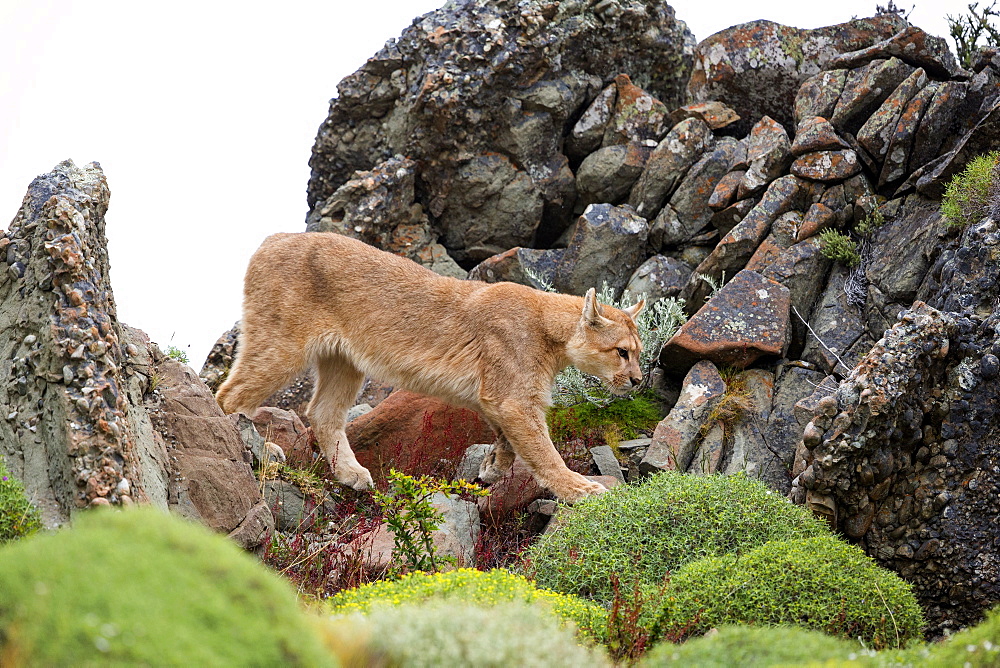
[[636, 382]]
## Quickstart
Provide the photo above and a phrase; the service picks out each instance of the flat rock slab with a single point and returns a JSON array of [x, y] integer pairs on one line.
[[748, 318]]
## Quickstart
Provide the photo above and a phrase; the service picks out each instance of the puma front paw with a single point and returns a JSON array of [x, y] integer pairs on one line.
[[578, 489], [357, 478]]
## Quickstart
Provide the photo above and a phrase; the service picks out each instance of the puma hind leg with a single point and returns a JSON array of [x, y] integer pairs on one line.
[[498, 461], [337, 384], [261, 369]]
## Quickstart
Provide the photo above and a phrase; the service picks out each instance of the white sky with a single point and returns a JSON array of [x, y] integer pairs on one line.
[[203, 113]]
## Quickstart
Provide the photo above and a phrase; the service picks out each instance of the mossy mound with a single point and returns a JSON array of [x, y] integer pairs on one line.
[[18, 518], [641, 533], [975, 647], [481, 588], [143, 587], [819, 583], [757, 646], [452, 633]]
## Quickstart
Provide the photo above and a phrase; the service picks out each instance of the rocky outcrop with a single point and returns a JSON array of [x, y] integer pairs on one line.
[[480, 95], [756, 68], [94, 413]]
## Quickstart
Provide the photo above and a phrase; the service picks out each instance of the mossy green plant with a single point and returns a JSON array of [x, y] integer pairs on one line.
[[642, 533], [757, 646], [142, 587], [18, 517], [461, 633], [626, 418], [839, 247], [967, 196], [483, 588], [820, 583], [975, 647]]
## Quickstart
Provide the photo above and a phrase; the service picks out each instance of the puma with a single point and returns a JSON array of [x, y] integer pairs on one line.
[[349, 310]]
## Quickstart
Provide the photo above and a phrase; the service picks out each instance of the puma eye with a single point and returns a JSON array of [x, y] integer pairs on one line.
[[623, 353]]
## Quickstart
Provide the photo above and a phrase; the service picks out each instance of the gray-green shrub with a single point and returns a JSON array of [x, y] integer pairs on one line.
[[451, 633], [642, 533], [820, 583]]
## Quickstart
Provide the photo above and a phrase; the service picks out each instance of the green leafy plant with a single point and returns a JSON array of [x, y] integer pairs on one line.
[[642, 533], [483, 588], [975, 647], [412, 517], [459, 633], [175, 353], [967, 196], [967, 29], [870, 223], [821, 583], [757, 646], [142, 587], [18, 517], [839, 247]]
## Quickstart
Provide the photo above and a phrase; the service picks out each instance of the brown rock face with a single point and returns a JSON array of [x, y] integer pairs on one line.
[[83, 424], [415, 434], [748, 318]]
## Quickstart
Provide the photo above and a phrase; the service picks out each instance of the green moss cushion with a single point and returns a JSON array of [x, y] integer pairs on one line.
[[757, 646], [143, 587], [482, 588], [642, 533], [818, 583], [18, 517]]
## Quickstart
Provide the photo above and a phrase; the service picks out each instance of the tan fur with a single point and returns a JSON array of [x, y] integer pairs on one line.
[[350, 310]]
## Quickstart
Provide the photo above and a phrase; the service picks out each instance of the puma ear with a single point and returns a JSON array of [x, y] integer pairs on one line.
[[633, 311], [592, 314]]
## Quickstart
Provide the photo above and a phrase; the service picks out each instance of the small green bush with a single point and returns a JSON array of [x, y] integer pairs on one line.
[[175, 353], [144, 588], [839, 248], [967, 197], [453, 633], [756, 646], [642, 533], [975, 647], [626, 417], [821, 583], [484, 588], [18, 518]]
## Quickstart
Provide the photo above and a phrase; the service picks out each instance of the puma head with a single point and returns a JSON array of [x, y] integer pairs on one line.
[[606, 344]]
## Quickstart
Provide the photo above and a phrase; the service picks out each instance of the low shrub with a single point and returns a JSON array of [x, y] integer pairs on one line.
[[483, 588], [820, 583], [975, 647], [18, 518], [839, 248], [967, 196], [453, 633], [144, 588], [642, 533], [757, 646]]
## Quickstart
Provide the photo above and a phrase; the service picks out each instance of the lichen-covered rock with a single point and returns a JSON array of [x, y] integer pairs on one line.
[[658, 277], [865, 89], [910, 44], [738, 246], [826, 165], [875, 135], [608, 244], [474, 80], [667, 165], [815, 133], [768, 155], [379, 208], [747, 319], [897, 163], [638, 116], [608, 174], [83, 425], [690, 201], [676, 437], [712, 113], [756, 67], [818, 95]]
